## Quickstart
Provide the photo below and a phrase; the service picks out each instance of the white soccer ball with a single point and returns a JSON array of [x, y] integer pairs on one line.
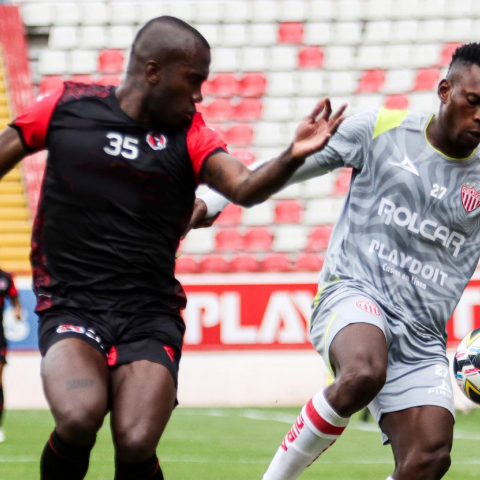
[[466, 366]]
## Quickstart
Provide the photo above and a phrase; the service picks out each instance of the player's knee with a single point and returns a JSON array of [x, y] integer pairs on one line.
[[425, 465], [79, 423], [133, 445]]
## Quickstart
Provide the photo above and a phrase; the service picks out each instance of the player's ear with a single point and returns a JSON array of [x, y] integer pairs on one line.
[[153, 72], [444, 90]]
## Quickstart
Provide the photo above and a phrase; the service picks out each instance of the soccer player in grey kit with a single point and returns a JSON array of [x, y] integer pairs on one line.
[[403, 250]]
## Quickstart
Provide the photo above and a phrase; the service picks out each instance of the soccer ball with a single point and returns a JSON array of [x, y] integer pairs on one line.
[[466, 366]]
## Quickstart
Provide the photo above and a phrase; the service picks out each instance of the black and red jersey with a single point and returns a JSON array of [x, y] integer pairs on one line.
[[7, 289], [116, 197]]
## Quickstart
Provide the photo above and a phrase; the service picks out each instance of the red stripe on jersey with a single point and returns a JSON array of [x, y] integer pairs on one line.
[[201, 142], [12, 291], [320, 423], [34, 120]]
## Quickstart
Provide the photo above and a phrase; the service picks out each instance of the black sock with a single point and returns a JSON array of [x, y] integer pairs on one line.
[[62, 461], [1, 405], [150, 469]]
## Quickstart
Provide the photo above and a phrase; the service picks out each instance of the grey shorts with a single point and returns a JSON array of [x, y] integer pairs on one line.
[[417, 370]]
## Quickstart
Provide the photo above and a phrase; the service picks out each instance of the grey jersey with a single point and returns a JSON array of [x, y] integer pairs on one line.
[[409, 230]]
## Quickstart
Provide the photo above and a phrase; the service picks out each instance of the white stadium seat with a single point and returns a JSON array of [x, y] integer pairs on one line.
[[397, 81], [422, 56], [150, 10], [293, 11], [361, 103], [405, 9], [377, 9], [264, 11], [36, 15], [208, 13], [377, 33], [311, 83], [277, 109], [186, 11], [349, 10], [225, 60], [342, 83], [52, 62], [430, 31], [347, 33], [281, 84], [82, 62], [283, 58], [233, 35], [324, 211], [462, 9], [339, 58], [318, 187], [423, 102], [396, 56], [240, 13], [289, 238], [459, 30], [122, 13], [120, 36], [321, 10], [95, 13], [201, 240], [403, 31], [292, 191], [63, 38], [304, 106], [318, 33], [262, 34], [211, 33], [369, 57], [253, 59], [262, 214], [268, 134], [92, 37], [66, 13], [431, 9]]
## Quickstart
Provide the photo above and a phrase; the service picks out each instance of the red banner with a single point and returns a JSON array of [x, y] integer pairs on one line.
[[265, 312]]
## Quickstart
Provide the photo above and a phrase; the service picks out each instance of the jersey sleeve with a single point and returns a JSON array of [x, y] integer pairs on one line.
[[202, 142], [349, 145], [12, 291], [32, 124]]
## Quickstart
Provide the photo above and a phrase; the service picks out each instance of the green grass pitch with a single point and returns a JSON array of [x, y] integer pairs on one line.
[[232, 444]]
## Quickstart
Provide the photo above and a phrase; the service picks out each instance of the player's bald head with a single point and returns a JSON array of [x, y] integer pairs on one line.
[[463, 59], [165, 40]]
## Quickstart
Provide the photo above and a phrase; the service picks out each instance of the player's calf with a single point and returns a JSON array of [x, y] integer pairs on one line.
[[424, 465]]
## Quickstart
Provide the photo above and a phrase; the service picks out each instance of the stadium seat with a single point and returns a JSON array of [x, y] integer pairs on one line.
[[342, 83], [293, 11], [149, 10], [276, 262], [199, 241], [211, 33], [318, 33], [95, 14], [377, 9], [110, 61], [114, 80], [225, 60], [82, 61], [431, 9], [253, 59], [248, 109], [245, 156], [283, 58], [288, 211], [244, 263], [239, 135], [277, 109], [292, 191], [92, 37], [318, 238], [369, 57], [239, 14], [264, 11], [208, 14], [281, 84], [186, 264], [229, 239], [396, 56], [187, 11], [230, 216], [258, 239], [66, 13], [455, 9], [52, 62], [36, 14], [321, 10], [219, 110], [423, 102], [426, 79], [317, 187], [63, 38], [348, 10], [120, 36], [339, 58], [342, 182], [252, 85], [291, 238], [363, 102], [458, 30], [422, 56], [371, 81], [347, 33], [431, 31], [397, 81], [122, 13], [311, 83], [310, 57], [214, 264], [49, 83], [224, 85], [396, 102], [259, 215], [262, 34], [308, 262], [377, 33], [447, 53], [403, 31], [81, 79], [233, 35], [290, 32], [405, 9]]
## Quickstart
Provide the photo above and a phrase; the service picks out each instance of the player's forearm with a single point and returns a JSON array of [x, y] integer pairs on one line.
[[11, 150]]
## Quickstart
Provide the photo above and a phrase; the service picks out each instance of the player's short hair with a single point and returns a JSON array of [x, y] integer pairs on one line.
[[467, 54], [174, 22]]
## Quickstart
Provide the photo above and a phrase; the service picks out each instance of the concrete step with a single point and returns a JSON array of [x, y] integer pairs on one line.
[[8, 200], [13, 213], [14, 240], [15, 226]]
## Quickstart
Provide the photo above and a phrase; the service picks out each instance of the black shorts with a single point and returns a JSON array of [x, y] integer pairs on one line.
[[3, 344], [122, 337]]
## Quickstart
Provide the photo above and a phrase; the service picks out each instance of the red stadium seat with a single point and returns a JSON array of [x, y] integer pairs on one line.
[[110, 61], [258, 239], [231, 215], [396, 102], [224, 85], [308, 262], [214, 264], [50, 83], [426, 79], [310, 57], [245, 156], [288, 211], [239, 135], [319, 238], [290, 32], [244, 263], [342, 182], [252, 85], [114, 80], [248, 109], [447, 53], [219, 110], [186, 264], [207, 88], [81, 79], [228, 240], [276, 262], [371, 81]]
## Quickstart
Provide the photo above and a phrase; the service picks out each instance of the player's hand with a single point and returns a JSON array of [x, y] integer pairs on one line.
[[313, 133], [198, 219]]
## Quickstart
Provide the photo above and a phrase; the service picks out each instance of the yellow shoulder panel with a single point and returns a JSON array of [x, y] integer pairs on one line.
[[388, 119]]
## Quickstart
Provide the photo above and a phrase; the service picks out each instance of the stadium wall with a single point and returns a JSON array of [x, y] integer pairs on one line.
[[246, 343]]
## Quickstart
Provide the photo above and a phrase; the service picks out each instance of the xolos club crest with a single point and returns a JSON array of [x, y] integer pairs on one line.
[[157, 141], [470, 198]]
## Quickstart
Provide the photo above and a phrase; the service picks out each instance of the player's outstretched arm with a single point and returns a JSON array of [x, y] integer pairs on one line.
[[11, 150], [225, 174]]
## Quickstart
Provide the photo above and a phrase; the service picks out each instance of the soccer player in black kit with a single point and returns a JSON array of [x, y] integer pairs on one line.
[[118, 192], [7, 289]]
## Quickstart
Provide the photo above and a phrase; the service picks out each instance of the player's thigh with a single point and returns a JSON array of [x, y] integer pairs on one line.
[[75, 378], [420, 435], [143, 398], [1, 373]]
